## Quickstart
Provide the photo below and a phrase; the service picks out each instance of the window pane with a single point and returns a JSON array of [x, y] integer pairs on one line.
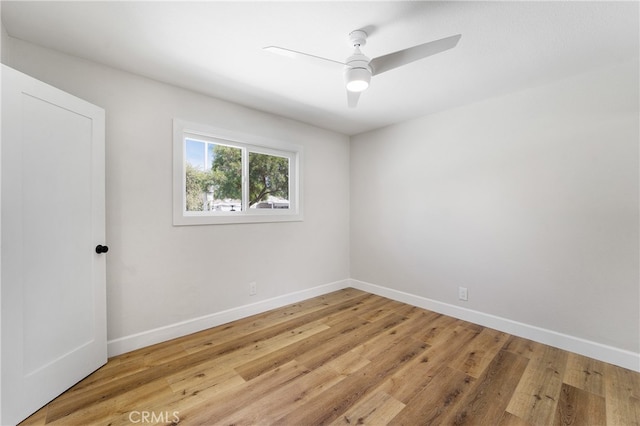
[[214, 178], [195, 153], [268, 181]]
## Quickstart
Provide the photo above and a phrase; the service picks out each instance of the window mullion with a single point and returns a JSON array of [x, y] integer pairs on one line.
[[245, 179]]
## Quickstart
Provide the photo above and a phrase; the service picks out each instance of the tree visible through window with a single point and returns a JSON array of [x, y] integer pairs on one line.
[[268, 180], [213, 178]]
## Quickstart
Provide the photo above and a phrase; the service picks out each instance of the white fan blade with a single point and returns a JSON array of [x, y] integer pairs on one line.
[[295, 55], [352, 98], [406, 56]]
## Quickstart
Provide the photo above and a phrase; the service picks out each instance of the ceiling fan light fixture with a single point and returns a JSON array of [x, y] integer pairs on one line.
[[357, 79]]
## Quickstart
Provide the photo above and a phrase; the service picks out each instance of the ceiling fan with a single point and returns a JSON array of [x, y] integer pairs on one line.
[[358, 68]]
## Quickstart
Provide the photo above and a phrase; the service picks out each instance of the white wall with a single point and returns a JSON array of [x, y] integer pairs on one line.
[[529, 200], [158, 274]]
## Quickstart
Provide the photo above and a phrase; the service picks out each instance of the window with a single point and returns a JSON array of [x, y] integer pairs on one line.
[[227, 177]]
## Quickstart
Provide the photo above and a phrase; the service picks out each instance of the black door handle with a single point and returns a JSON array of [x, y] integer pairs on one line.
[[101, 249]]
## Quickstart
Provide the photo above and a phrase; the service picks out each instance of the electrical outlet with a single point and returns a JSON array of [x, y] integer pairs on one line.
[[463, 294], [253, 288]]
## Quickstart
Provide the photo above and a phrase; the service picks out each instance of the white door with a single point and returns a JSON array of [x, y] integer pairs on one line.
[[53, 296]]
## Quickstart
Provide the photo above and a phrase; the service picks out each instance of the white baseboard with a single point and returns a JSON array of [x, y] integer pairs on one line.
[[172, 331], [612, 355]]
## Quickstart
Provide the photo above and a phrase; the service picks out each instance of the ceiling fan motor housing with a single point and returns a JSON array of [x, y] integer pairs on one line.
[[357, 73]]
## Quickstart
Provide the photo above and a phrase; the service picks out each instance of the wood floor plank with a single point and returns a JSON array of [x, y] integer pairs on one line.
[[265, 333], [100, 412], [224, 404], [347, 341], [281, 356], [579, 407], [491, 392], [207, 379], [285, 399], [538, 391], [378, 409], [439, 324], [348, 358], [246, 354], [585, 373], [328, 406], [523, 347], [329, 344], [509, 419], [435, 400], [361, 306], [385, 309], [408, 327], [417, 374], [622, 389], [348, 363], [475, 357], [189, 400]]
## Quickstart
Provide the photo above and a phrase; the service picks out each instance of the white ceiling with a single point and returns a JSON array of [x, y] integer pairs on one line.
[[216, 48]]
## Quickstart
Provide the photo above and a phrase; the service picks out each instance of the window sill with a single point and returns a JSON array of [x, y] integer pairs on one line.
[[233, 218]]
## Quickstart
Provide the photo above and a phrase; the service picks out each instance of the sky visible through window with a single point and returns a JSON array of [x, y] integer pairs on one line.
[[195, 151]]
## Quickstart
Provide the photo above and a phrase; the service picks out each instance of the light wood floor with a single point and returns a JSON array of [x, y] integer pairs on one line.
[[350, 358]]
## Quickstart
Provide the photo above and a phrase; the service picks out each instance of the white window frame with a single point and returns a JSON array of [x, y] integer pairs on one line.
[[183, 130]]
